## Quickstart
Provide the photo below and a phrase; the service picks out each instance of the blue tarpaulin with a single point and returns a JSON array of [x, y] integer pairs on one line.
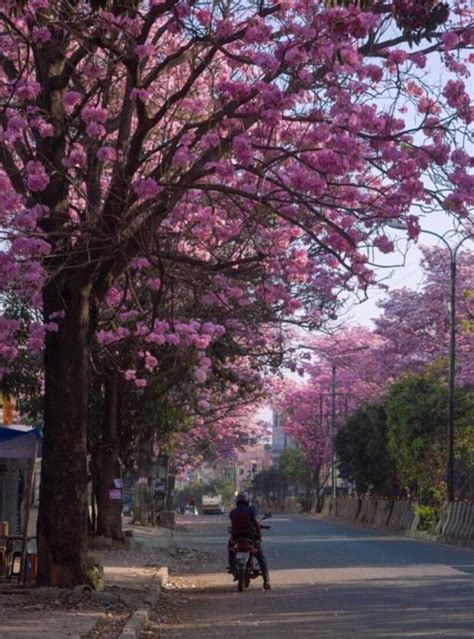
[[18, 442]]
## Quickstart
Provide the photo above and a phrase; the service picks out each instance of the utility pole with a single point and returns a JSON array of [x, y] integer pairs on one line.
[[333, 431], [332, 361], [452, 377]]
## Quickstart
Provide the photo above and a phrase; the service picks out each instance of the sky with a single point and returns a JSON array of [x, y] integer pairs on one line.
[[406, 272], [409, 275]]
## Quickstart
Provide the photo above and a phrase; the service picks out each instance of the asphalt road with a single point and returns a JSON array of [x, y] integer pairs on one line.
[[328, 581]]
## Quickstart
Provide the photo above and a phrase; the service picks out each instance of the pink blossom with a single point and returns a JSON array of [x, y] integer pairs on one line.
[[419, 59], [454, 92], [34, 246], [146, 188], [202, 341], [450, 40], [144, 50], [37, 179], [413, 226], [150, 362], [204, 16], [95, 129], [139, 94], [242, 146], [259, 32], [71, 98], [106, 154], [41, 35], [16, 124], [182, 156], [46, 130], [91, 113], [77, 157], [27, 89], [154, 284], [384, 244], [374, 72], [172, 338], [200, 375], [461, 158], [398, 56]]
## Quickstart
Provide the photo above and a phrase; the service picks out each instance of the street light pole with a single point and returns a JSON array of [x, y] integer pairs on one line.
[[452, 375], [333, 431]]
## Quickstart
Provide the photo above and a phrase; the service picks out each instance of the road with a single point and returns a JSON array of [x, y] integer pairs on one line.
[[329, 580]]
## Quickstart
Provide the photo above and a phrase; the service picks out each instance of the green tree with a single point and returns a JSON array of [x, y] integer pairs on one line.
[[361, 445], [294, 465], [270, 486], [303, 475], [416, 417]]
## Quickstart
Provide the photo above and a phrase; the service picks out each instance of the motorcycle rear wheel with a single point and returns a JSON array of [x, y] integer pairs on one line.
[[241, 575]]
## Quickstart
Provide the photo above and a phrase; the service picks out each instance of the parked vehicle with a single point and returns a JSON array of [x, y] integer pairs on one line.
[[212, 505]]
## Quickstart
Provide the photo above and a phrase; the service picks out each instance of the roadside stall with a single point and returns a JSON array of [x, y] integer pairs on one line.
[[19, 465]]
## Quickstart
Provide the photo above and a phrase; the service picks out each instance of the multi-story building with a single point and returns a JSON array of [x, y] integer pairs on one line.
[[249, 462], [280, 440]]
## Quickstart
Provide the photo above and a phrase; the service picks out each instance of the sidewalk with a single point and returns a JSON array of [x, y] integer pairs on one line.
[[60, 614]]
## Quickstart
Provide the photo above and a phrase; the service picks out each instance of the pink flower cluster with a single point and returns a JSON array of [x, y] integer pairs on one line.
[[37, 178]]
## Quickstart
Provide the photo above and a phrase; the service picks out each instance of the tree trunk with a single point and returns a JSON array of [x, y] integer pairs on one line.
[[62, 518], [109, 511], [316, 500], [142, 507]]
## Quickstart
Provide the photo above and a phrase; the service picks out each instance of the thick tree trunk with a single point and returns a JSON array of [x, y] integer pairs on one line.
[[62, 520], [109, 511]]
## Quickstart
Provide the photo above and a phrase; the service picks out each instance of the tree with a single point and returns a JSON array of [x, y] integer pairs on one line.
[[310, 407], [416, 419], [270, 486], [125, 123], [296, 465], [414, 325], [362, 450]]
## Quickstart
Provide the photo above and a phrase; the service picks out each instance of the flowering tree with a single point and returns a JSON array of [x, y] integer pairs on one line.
[[125, 122], [341, 375], [414, 325], [205, 354]]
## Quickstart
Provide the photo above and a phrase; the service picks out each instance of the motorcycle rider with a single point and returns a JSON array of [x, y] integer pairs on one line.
[[244, 524]]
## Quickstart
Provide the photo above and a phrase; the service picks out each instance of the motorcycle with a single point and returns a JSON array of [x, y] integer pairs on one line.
[[246, 565]]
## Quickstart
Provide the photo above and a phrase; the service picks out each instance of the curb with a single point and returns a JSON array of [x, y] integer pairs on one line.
[[141, 617]]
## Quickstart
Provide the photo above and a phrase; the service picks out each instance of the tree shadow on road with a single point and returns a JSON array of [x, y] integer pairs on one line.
[[391, 607]]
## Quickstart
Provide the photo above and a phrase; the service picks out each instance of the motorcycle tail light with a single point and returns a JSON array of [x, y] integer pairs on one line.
[[244, 546]]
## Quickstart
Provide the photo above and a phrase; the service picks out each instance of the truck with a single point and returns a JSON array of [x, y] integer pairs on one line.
[[212, 505]]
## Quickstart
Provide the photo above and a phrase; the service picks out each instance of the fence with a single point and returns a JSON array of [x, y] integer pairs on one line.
[[456, 519]]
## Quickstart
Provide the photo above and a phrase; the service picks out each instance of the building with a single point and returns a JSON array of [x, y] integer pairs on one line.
[[249, 462], [280, 440]]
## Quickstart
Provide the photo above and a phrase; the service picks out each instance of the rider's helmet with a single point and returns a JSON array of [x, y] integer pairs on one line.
[[242, 498]]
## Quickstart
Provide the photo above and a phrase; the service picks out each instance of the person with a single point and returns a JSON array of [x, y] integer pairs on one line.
[[191, 507], [244, 524]]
